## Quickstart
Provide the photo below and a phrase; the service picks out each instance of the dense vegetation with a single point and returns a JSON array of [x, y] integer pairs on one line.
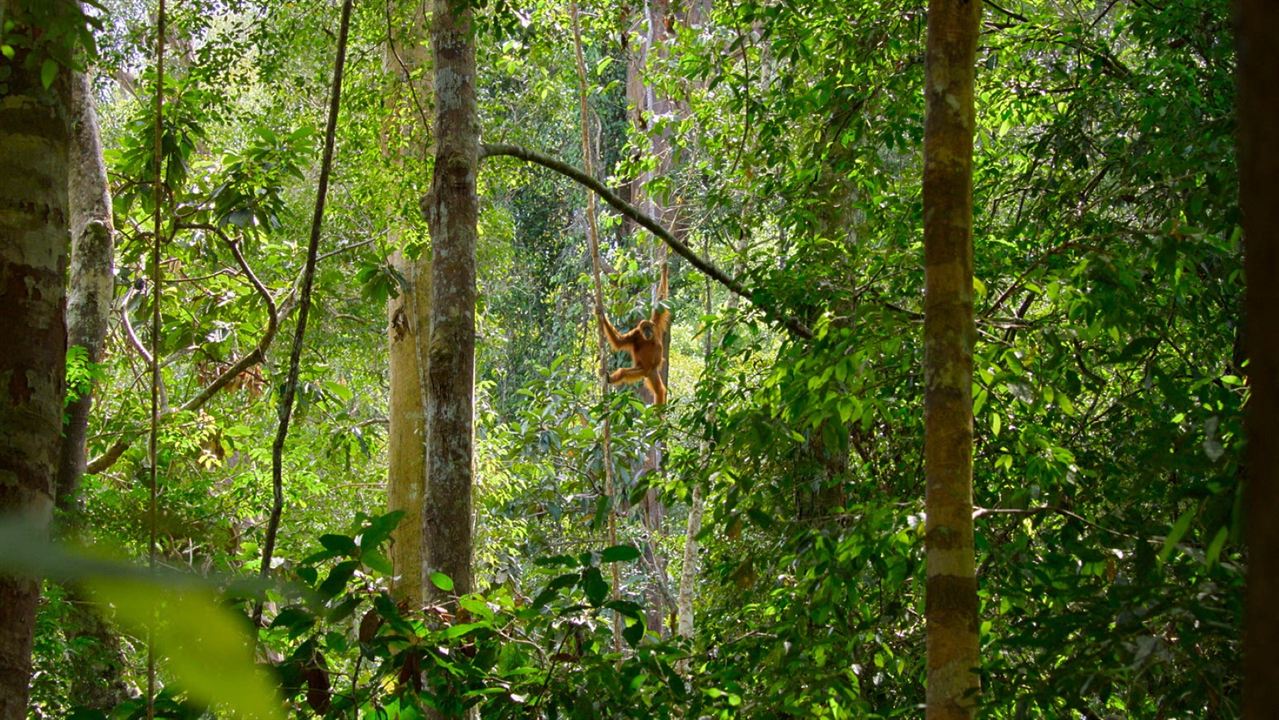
[[783, 143]]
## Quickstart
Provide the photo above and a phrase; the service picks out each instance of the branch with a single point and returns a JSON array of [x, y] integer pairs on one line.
[[653, 226], [979, 512], [1015, 16], [257, 355], [1032, 267]]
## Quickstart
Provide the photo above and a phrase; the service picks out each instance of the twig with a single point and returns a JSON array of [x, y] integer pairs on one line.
[[979, 512]]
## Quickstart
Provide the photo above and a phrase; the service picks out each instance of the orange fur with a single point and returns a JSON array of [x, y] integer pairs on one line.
[[644, 342]]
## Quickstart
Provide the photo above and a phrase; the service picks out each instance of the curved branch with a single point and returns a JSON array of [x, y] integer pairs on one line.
[[255, 356], [502, 149], [258, 354], [131, 333]]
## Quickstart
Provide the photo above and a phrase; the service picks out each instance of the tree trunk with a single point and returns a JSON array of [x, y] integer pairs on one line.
[[35, 136], [451, 208], [1259, 197], [92, 276], [651, 48], [689, 570], [95, 647], [951, 591], [409, 316], [409, 322]]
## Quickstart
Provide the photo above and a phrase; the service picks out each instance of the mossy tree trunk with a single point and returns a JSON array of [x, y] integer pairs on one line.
[[451, 208], [35, 137]]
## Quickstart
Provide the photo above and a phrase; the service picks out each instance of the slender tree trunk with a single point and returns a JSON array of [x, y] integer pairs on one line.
[[35, 137], [648, 49], [451, 209], [95, 647], [1258, 27], [408, 330], [689, 570], [92, 276], [951, 592]]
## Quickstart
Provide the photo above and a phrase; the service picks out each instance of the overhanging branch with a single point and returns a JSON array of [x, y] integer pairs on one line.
[[705, 266]]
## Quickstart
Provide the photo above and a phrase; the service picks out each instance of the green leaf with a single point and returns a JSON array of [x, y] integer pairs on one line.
[[204, 645], [553, 588], [340, 544], [442, 581], [375, 560], [594, 585], [476, 606], [296, 619], [1215, 547], [456, 631], [760, 518], [308, 574], [380, 528], [626, 607], [633, 632], [1178, 531], [338, 577], [343, 610], [619, 553], [543, 598], [48, 72]]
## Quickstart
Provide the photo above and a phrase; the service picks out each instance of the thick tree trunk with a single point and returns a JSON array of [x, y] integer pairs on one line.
[[1259, 196], [409, 319], [35, 136], [409, 316], [451, 209], [951, 592]]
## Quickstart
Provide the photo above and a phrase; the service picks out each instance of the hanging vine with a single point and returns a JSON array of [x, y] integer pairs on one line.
[[289, 391], [593, 236]]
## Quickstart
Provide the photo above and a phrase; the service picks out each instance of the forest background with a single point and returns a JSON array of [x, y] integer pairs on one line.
[[756, 546]]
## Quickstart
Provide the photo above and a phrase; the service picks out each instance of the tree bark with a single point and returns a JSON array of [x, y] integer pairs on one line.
[[1258, 26], [92, 275], [951, 592], [95, 647], [409, 316], [689, 569], [35, 137], [408, 329], [451, 210]]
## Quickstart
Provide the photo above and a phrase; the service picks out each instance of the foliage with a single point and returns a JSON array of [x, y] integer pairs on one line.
[[48, 37], [498, 651], [1107, 402]]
